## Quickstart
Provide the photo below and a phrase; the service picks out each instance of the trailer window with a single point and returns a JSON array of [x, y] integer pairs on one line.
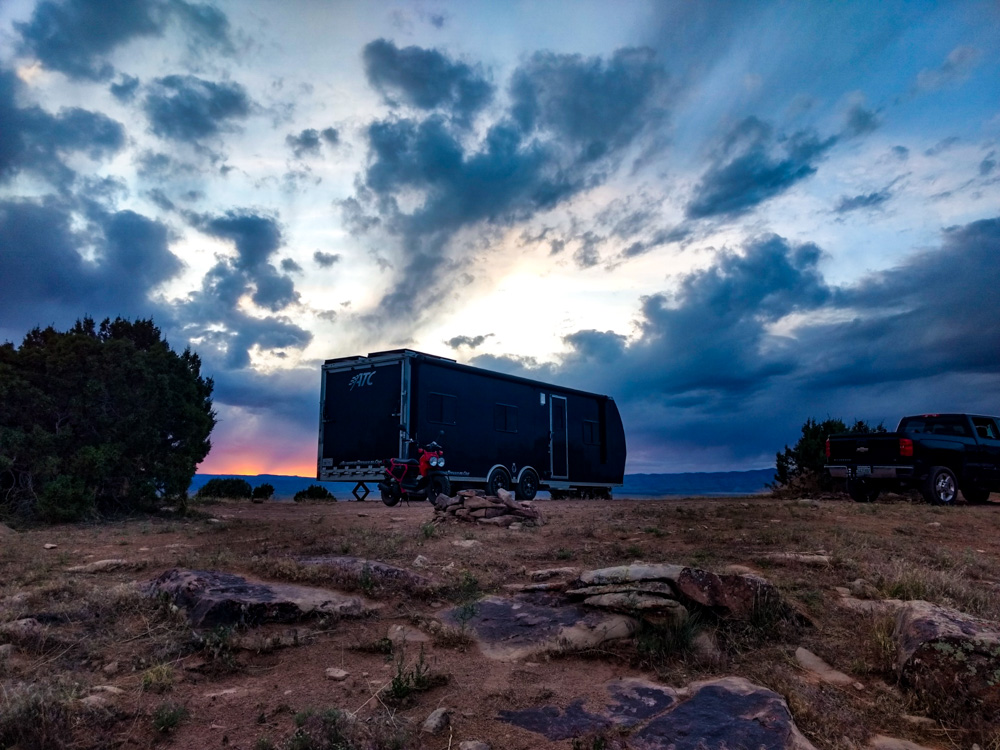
[[505, 418], [591, 434], [441, 408]]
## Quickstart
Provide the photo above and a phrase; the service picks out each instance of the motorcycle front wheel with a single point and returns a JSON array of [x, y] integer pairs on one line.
[[439, 485]]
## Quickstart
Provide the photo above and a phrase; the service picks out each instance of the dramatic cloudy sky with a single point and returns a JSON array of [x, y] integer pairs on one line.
[[728, 216]]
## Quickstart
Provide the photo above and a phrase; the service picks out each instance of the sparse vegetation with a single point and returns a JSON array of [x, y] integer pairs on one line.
[[89, 621], [168, 716], [263, 491], [225, 487], [410, 680], [313, 492]]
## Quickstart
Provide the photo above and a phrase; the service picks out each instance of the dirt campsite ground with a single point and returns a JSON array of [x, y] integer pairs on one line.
[[110, 666]]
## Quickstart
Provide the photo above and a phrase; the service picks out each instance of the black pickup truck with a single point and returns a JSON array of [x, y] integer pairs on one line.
[[938, 454]]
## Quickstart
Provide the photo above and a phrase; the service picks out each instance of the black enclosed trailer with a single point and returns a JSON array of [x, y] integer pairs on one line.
[[497, 430]]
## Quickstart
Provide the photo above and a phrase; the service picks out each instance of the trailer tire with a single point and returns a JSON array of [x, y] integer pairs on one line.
[[499, 479], [527, 485]]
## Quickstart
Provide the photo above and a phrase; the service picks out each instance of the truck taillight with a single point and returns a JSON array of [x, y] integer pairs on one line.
[[828, 448], [905, 447]]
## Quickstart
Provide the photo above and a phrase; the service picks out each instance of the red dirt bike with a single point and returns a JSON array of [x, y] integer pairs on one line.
[[420, 478]]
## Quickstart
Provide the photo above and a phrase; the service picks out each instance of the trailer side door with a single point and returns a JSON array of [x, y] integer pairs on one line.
[[558, 438]]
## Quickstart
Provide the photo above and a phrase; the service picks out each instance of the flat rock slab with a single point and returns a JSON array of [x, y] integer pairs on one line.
[[379, 573], [949, 658], [820, 669], [729, 595], [213, 598], [529, 625], [726, 713], [633, 701], [729, 712]]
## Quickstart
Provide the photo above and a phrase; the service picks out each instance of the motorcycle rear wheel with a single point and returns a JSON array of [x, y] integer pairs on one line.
[[390, 495]]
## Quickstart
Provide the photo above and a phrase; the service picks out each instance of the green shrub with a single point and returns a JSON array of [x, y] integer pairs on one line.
[[263, 492], [168, 716], [100, 419], [225, 487], [313, 492]]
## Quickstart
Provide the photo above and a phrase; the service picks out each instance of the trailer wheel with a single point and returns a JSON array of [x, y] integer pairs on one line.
[[527, 486], [499, 479]]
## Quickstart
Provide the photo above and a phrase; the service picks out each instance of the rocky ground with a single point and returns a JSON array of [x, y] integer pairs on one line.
[[740, 622]]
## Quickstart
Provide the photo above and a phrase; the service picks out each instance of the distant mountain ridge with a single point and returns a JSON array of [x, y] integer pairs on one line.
[[636, 485]]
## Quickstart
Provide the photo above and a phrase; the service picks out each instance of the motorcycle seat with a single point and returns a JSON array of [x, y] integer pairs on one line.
[[406, 461]]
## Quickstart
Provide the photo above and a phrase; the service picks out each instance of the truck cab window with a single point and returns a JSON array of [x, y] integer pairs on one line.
[[985, 428]]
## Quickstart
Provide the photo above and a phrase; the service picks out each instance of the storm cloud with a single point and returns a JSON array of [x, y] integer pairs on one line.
[[33, 140], [752, 165], [42, 263], [188, 108], [533, 157], [76, 37], [426, 79]]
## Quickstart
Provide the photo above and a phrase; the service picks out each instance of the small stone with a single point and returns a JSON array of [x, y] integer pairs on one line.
[[421, 562], [473, 745], [6, 651], [882, 742], [547, 573], [213, 520], [95, 702], [919, 721], [396, 518], [515, 526], [362, 515], [98, 566], [815, 665], [438, 720], [934, 524], [405, 634], [862, 589], [467, 543], [51, 546], [337, 675]]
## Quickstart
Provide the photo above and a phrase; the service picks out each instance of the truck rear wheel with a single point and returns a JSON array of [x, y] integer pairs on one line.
[[940, 488]]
